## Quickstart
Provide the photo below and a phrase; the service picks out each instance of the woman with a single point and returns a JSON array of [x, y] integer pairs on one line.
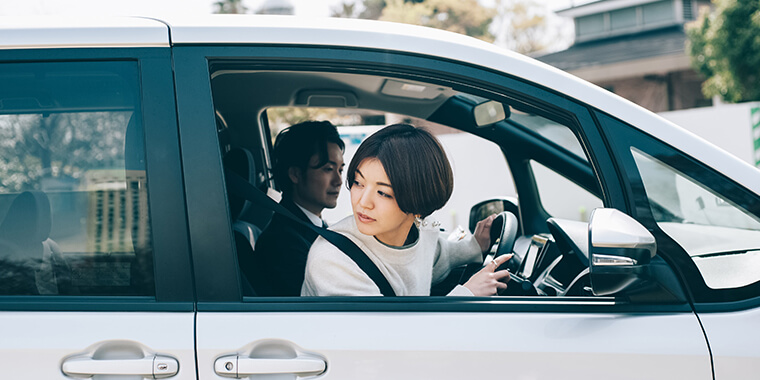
[[397, 177]]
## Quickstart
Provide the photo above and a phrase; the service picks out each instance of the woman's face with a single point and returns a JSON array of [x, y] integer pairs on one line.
[[375, 209]]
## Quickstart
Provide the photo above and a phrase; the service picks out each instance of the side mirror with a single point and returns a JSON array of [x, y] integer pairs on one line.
[[493, 206], [489, 112], [620, 252]]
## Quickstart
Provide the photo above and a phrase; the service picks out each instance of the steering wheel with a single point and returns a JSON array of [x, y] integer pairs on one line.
[[504, 234]]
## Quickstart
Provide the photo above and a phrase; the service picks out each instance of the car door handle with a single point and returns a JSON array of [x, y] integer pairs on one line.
[[155, 366], [237, 366]]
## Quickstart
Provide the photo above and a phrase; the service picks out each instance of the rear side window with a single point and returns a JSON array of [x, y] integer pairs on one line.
[[73, 189]]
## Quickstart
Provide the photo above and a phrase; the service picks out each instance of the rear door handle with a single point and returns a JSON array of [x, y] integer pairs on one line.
[[237, 366], [155, 366]]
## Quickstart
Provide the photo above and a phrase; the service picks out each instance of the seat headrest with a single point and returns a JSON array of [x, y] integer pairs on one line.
[[28, 219], [239, 161]]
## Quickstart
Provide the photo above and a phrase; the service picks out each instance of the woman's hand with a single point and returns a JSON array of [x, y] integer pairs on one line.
[[482, 232], [487, 282]]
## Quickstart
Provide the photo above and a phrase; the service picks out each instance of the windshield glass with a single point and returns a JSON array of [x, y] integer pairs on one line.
[[722, 239]]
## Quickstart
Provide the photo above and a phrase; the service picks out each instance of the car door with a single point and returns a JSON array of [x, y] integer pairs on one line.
[[711, 225], [408, 337], [94, 265]]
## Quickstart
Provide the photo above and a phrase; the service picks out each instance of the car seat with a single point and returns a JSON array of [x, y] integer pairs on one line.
[[27, 250], [241, 162]]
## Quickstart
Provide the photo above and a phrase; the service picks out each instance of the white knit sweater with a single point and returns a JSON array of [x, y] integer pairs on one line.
[[410, 269]]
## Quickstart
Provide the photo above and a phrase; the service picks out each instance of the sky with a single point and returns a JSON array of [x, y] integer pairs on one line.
[[318, 8]]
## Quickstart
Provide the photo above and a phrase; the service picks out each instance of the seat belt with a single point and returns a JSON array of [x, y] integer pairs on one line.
[[246, 190]]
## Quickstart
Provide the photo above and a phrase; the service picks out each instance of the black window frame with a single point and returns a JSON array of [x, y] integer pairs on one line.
[[171, 254]]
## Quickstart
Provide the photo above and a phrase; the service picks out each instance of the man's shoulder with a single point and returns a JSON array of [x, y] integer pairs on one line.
[[283, 231]]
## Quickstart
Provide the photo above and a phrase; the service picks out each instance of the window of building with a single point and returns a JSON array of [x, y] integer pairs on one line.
[[623, 19], [590, 25], [659, 12]]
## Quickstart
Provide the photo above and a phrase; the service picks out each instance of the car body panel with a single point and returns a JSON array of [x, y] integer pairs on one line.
[[77, 32], [34, 345], [413, 345], [733, 338]]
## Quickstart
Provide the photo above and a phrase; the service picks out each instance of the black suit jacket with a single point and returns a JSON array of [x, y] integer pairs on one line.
[[279, 260]]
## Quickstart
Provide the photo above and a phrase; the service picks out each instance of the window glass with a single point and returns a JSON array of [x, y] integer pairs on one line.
[[562, 198], [557, 133], [658, 12], [73, 190], [470, 185], [623, 18], [589, 25], [721, 238]]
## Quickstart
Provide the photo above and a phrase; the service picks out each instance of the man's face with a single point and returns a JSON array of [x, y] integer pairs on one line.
[[318, 188]]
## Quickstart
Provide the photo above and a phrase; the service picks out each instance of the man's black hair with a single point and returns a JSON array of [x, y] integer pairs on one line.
[[295, 146]]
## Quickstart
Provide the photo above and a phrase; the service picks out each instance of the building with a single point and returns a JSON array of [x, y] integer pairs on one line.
[[636, 49], [276, 7]]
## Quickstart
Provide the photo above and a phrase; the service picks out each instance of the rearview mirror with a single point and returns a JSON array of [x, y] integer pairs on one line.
[[489, 112], [620, 251]]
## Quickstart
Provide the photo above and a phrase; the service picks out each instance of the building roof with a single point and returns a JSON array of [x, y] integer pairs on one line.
[[656, 43]]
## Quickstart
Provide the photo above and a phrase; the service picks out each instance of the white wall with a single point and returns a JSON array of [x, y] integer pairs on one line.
[[729, 126]]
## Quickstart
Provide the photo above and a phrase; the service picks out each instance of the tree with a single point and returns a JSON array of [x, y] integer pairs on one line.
[[460, 16], [371, 9], [520, 25], [523, 26], [230, 7], [724, 45], [37, 147]]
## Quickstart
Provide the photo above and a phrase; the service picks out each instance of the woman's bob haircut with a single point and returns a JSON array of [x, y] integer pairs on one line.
[[416, 165]]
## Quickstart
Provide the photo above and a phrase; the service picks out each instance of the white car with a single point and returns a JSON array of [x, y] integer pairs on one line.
[[118, 252]]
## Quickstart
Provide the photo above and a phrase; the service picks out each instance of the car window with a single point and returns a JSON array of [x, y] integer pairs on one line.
[[721, 237], [563, 198], [74, 217], [552, 131], [361, 103], [466, 152], [559, 196]]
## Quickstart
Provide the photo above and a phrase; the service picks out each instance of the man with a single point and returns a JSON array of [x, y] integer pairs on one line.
[[308, 163]]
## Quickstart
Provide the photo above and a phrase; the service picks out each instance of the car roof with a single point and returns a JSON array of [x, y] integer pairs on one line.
[[39, 32], [375, 35]]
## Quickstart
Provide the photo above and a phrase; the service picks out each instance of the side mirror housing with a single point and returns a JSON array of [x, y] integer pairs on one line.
[[621, 250]]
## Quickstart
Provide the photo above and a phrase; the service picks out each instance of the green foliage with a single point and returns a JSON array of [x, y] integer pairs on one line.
[[523, 26], [58, 146], [371, 9], [460, 16], [230, 7], [520, 25], [724, 45]]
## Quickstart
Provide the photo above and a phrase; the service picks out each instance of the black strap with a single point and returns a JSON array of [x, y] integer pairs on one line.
[[246, 190]]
